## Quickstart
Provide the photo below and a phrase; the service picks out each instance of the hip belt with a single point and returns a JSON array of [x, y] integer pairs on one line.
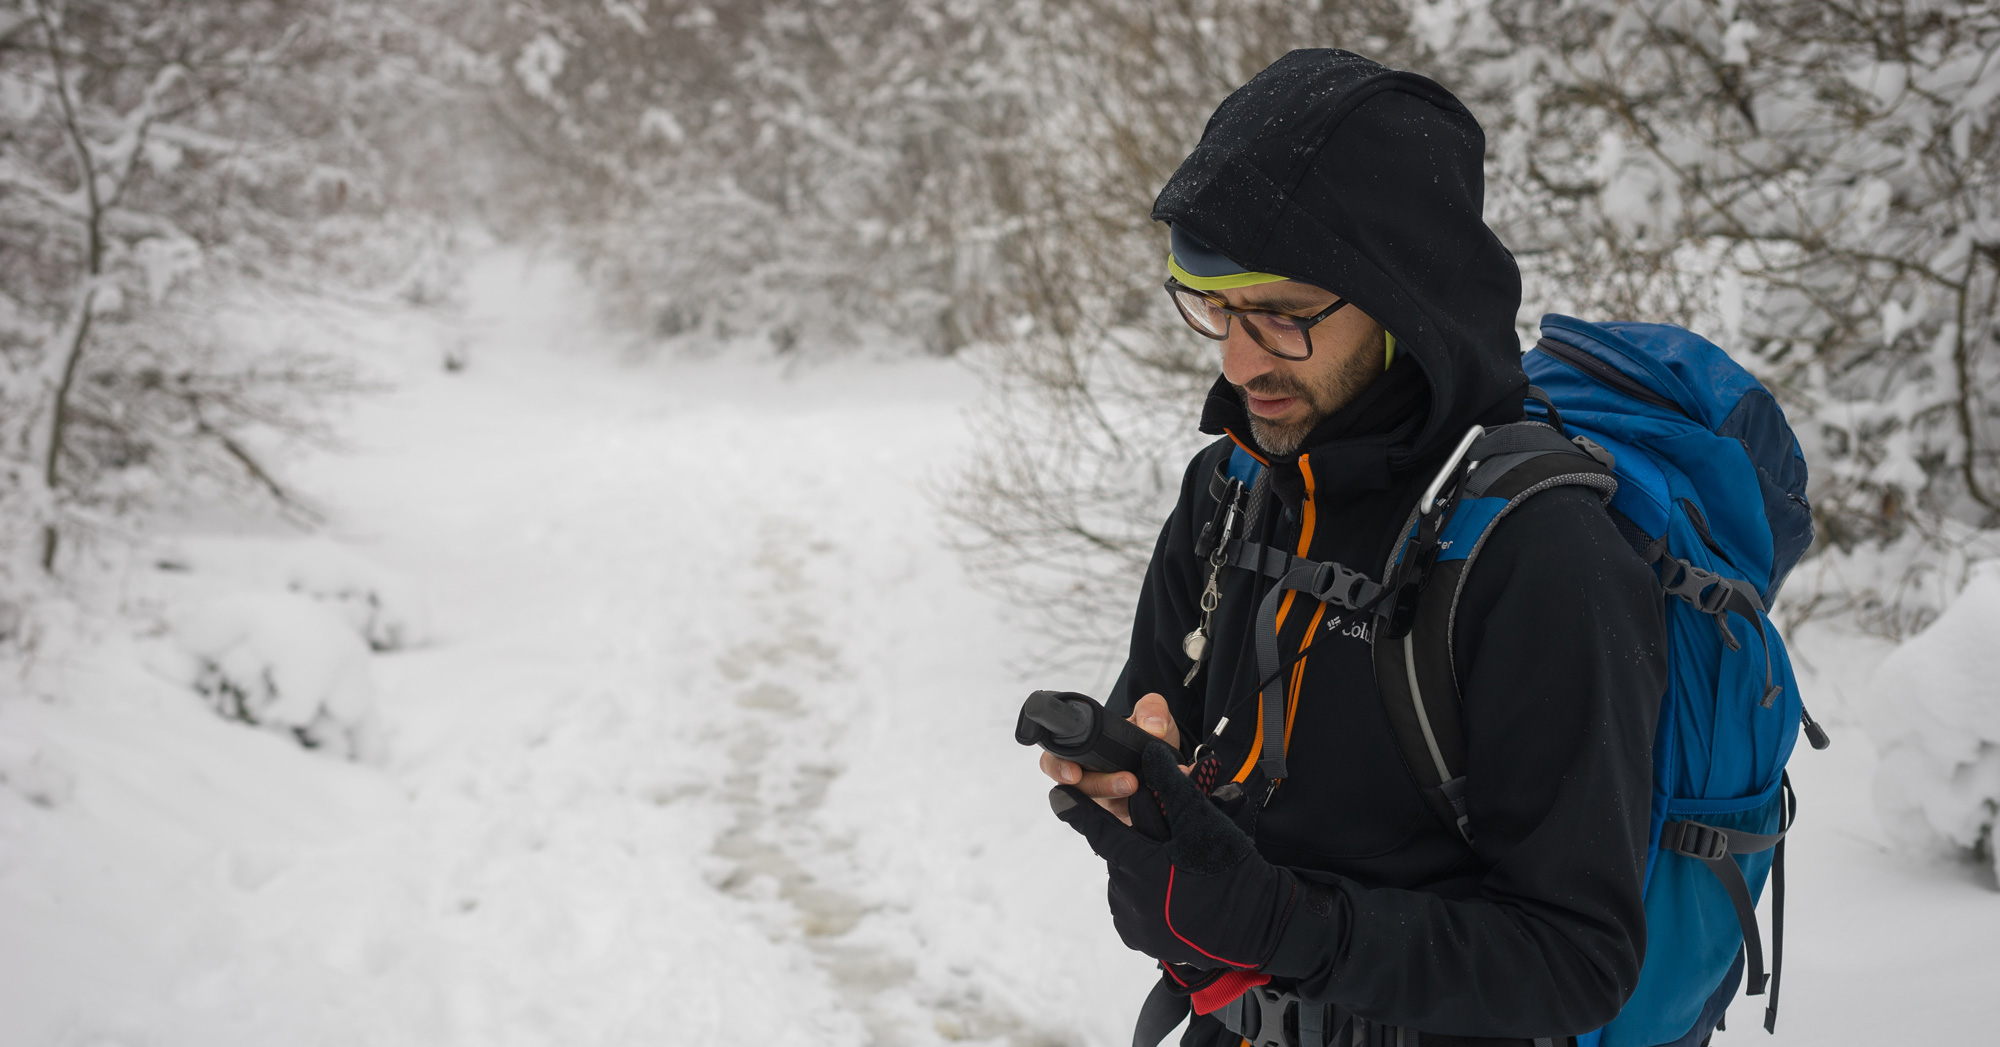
[[1269, 1017]]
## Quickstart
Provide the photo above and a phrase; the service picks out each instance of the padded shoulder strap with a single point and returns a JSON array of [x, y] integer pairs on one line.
[[1415, 673]]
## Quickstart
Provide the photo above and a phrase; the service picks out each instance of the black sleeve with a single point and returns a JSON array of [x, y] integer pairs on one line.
[[1562, 639], [1169, 603]]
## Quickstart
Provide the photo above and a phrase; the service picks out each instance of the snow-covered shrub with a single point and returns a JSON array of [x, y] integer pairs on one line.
[[1809, 183], [279, 630], [788, 169], [1936, 721], [287, 663], [384, 608], [167, 166]]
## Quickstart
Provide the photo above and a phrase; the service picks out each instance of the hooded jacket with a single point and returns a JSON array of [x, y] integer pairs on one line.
[[1330, 169]]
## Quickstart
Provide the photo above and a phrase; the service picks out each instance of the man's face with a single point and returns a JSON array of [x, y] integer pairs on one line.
[[1286, 398]]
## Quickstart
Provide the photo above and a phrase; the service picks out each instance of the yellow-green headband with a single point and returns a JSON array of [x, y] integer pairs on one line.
[[1219, 283]]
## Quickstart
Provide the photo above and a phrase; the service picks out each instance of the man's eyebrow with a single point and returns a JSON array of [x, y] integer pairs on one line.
[[1288, 300]]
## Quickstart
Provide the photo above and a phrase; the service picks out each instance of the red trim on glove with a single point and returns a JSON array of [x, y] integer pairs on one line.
[[1226, 989], [1169, 914]]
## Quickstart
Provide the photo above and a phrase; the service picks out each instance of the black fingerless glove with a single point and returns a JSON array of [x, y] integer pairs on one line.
[[1187, 886]]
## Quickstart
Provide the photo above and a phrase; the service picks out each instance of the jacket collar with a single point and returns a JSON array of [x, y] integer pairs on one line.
[[1357, 448]]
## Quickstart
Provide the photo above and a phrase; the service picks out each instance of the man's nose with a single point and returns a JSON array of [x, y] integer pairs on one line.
[[1242, 358]]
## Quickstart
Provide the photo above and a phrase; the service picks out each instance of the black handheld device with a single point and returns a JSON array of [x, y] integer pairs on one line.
[[1076, 728]]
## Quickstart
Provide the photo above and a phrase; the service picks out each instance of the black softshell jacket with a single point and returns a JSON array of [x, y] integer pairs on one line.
[[1537, 929]]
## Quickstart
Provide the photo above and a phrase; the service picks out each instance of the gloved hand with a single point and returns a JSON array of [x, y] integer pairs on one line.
[[1187, 886]]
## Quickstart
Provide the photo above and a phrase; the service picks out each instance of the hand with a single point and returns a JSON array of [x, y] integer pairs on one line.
[[1112, 790], [1193, 891]]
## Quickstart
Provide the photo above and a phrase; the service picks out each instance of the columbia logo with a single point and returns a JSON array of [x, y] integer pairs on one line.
[[1358, 630]]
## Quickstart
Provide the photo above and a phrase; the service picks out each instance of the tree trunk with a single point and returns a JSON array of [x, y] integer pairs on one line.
[[59, 374]]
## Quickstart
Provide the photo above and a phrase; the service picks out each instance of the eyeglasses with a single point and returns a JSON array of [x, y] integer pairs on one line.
[[1282, 335]]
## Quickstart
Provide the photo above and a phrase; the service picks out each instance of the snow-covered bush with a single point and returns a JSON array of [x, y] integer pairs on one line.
[[1813, 185], [279, 631], [795, 170], [150, 157], [385, 609], [287, 663], [1936, 721], [167, 167]]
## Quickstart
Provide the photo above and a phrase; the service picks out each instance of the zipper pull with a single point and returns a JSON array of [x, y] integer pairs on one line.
[[1815, 734]]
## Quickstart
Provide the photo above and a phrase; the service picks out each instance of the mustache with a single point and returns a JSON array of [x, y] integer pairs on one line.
[[1274, 387]]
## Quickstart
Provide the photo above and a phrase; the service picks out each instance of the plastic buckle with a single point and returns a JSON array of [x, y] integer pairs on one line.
[[1717, 598], [1704, 842], [1272, 1007], [1338, 584], [1705, 589]]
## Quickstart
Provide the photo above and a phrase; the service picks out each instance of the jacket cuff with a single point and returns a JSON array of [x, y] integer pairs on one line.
[[1312, 936]]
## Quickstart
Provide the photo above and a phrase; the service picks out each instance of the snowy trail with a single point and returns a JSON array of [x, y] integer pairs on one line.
[[710, 744], [733, 651]]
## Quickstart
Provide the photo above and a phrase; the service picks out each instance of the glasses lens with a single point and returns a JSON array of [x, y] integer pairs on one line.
[[1281, 335], [1201, 314]]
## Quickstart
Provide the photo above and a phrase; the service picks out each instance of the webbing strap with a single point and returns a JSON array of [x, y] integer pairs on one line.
[[1271, 704], [1218, 481], [1712, 845], [1719, 597], [1325, 581], [1786, 814], [1508, 439], [1163, 1010], [1258, 557], [1313, 1021], [1493, 470]]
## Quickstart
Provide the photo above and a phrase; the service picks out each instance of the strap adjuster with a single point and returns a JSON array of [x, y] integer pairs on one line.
[[1337, 583], [1696, 840], [1695, 585], [1272, 1006]]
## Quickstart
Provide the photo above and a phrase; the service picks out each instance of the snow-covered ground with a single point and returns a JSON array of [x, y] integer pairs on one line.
[[679, 725]]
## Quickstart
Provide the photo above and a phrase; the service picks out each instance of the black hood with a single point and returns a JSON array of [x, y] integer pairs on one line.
[[1369, 182]]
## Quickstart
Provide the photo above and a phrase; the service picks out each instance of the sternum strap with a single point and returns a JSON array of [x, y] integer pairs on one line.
[[1325, 581]]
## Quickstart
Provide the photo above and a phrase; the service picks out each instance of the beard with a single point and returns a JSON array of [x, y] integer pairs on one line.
[[1323, 395]]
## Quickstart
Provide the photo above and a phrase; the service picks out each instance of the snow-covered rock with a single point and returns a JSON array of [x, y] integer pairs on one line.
[[1936, 721], [288, 663]]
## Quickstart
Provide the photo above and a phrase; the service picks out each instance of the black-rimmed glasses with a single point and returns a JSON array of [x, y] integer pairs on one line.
[[1282, 335]]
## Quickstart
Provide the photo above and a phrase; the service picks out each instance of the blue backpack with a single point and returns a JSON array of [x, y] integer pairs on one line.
[[1706, 482]]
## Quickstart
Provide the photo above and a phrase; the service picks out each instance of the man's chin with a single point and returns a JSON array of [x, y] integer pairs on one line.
[[1277, 437]]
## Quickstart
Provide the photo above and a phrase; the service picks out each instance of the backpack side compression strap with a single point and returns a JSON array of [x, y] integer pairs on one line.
[[1712, 846], [1416, 673]]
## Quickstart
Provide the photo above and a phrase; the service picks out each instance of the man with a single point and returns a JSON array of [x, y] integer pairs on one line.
[[1327, 234]]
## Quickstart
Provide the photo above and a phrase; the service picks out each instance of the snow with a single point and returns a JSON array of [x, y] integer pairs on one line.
[[286, 662], [702, 737], [1881, 946], [690, 730], [386, 609], [1939, 726]]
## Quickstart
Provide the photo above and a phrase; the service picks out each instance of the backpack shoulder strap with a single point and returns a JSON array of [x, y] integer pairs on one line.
[[1415, 672]]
